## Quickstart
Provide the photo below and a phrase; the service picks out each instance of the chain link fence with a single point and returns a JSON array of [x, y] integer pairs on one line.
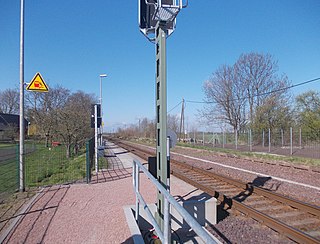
[[293, 141], [45, 165]]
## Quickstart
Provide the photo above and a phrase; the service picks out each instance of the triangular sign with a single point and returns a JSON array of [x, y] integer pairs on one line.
[[37, 84]]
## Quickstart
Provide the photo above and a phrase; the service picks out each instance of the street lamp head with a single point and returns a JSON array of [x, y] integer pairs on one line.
[[103, 75]]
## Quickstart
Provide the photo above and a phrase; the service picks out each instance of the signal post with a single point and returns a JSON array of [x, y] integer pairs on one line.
[[157, 20]]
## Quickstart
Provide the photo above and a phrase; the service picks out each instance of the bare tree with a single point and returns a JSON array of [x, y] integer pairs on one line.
[[9, 101], [258, 73], [43, 108], [244, 93], [73, 120], [224, 95], [173, 123]]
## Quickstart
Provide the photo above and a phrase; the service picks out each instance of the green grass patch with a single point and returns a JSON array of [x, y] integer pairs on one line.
[[263, 156], [8, 176], [47, 166]]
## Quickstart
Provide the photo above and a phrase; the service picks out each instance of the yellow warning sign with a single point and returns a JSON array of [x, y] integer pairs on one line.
[[37, 84]]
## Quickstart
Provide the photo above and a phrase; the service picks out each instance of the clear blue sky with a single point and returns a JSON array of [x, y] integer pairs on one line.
[[71, 42]]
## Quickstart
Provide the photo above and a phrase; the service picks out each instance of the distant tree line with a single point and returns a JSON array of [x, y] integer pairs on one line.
[[56, 115]]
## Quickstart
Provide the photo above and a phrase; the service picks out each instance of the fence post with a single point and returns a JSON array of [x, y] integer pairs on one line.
[[212, 139], [250, 139], [236, 139], [18, 163], [269, 140], [88, 173], [290, 140], [300, 138], [223, 138], [194, 137], [203, 138], [282, 138], [263, 138]]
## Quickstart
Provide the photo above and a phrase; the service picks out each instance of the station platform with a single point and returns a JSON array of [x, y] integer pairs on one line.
[[95, 212]]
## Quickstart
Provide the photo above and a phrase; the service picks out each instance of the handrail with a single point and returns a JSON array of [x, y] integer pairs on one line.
[[165, 236]]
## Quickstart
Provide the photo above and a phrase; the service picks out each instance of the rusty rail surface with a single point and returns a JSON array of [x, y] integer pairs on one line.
[[271, 209]]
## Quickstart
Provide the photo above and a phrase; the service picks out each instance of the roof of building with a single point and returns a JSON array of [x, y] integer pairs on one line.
[[10, 119]]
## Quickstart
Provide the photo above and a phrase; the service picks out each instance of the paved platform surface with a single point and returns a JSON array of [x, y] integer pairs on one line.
[[89, 213]]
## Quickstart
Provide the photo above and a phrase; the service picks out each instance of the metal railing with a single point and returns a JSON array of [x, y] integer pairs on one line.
[[165, 236]]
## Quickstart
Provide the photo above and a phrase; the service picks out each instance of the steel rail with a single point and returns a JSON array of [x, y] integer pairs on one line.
[[292, 233]]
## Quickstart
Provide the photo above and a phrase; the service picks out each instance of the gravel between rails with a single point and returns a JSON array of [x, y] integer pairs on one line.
[[302, 193]]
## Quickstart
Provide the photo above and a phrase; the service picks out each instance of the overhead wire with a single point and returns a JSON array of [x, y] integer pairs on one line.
[[174, 107], [260, 94]]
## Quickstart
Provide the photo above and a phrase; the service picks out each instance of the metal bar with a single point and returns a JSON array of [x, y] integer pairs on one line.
[[167, 226], [137, 190], [186, 216], [22, 132], [150, 215]]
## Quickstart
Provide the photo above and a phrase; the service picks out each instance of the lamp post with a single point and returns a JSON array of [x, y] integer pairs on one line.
[[21, 120], [101, 127]]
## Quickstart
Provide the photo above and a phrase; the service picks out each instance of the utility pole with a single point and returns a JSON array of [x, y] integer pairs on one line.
[[181, 120], [22, 131]]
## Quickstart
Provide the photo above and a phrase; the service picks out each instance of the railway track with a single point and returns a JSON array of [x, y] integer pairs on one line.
[[294, 219]]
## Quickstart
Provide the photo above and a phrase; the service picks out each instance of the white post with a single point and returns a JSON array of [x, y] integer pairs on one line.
[[96, 137], [282, 140], [194, 137], [137, 187], [21, 124], [262, 138]]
